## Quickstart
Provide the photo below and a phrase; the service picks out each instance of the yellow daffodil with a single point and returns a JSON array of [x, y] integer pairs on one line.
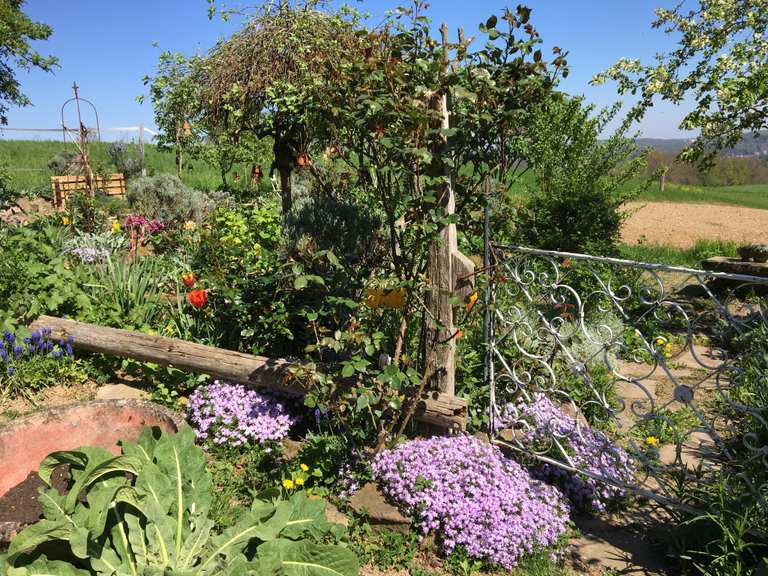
[[299, 481], [652, 441], [304, 467], [190, 225], [115, 226], [288, 484]]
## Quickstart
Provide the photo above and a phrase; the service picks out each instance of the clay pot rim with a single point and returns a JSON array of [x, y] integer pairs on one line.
[[52, 412]]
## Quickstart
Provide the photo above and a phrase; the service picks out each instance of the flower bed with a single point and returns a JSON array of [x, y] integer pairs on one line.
[[473, 497]]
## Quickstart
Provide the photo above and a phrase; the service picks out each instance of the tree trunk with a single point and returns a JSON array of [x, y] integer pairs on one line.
[[285, 189]]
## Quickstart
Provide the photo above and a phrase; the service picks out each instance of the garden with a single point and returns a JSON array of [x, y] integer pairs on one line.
[[396, 336]]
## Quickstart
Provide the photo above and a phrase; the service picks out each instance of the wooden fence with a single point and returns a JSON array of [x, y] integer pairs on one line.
[[439, 409], [63, 186]]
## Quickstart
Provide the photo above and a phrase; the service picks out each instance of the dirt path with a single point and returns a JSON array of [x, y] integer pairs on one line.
[[681, 225]]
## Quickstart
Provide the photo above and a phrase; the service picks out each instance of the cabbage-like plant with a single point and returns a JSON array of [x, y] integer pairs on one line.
[[145, 513]]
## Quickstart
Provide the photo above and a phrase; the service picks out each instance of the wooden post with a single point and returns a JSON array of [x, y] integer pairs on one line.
[[663, 179], [440, 331]]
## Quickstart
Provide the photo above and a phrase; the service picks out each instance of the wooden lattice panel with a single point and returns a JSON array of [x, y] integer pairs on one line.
[[63, 186]]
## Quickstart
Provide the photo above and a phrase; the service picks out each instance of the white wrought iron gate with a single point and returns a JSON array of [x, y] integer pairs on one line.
[[629, 376]]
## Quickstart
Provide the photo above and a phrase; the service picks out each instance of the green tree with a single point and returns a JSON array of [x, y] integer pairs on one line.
[[721, 62], [581, 181], [261, 80], [175, 97], [16, 32]]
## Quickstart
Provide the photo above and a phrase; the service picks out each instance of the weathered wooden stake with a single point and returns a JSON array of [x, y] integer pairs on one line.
[[440, 340]]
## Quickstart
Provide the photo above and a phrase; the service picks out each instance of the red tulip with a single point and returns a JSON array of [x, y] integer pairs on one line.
[[188, 279], [197, 298]]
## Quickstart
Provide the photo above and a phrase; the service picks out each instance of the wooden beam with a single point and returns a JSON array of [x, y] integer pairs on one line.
[[444, 410]]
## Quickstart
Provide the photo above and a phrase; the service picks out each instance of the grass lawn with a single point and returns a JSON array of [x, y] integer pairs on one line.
[[685, 257], [749, 195], [27, 162]]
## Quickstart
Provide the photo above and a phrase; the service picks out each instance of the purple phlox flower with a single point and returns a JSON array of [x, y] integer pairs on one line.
[[234, 414], [543, 424], [474, 496]]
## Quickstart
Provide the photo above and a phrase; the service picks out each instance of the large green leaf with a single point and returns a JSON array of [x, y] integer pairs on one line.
[[304, 558], [39, 533], [307, 517], [44, 567]]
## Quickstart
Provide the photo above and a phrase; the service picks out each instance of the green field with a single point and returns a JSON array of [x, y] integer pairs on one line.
[[27, 162], [749, 195]]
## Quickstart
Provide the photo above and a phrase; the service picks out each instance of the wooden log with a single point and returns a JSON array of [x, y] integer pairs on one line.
[[443, 410]]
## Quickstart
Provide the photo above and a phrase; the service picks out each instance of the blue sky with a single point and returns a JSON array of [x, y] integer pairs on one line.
[[107, 47]]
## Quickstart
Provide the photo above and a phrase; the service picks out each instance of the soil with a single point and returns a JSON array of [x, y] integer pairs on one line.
[[46, 398], [19, 506], [681, 225]]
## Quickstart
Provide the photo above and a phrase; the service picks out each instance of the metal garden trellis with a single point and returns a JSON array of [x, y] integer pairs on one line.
[[647, 343]]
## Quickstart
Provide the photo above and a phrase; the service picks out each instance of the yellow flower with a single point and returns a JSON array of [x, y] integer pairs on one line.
[[190, 225], [288, 484], [471, 300], [299, 481], [65, 221], [115, 226], [652, 441], [304, 467], [659, 341]]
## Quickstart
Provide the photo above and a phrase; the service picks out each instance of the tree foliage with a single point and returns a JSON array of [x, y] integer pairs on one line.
[[16, 32], [581, 182], [721, 62]]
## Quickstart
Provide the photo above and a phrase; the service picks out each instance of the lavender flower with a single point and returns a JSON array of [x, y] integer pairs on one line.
[[544, 426], [474, 496], [233, 414]]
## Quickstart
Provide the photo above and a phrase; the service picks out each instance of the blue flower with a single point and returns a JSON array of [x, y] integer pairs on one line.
[[17, 351], [10, 370]]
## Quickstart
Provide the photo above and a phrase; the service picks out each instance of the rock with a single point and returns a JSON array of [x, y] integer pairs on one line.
[[334, 515], [291, 448], [370, 501], [120, 392]]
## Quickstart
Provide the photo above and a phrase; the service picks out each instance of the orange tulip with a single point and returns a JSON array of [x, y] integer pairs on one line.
[[197, 298]]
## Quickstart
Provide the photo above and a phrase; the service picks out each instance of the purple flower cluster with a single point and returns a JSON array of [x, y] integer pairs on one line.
[[473, 496], [233, 414], [89, 255], [140, 222], [546, 428], [13, 352]]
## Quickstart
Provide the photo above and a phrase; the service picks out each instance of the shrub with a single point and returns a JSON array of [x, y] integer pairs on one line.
[[548, 429], [233, 414], [167, 199], [581, 182], [65, 162], [91, 246], [125, 159], [473, 496], [342, 226]]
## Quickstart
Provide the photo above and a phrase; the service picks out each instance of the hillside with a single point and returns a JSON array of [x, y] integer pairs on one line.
[[749, 145]]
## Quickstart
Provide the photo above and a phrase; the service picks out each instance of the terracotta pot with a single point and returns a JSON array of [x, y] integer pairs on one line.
[[26, 441]]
